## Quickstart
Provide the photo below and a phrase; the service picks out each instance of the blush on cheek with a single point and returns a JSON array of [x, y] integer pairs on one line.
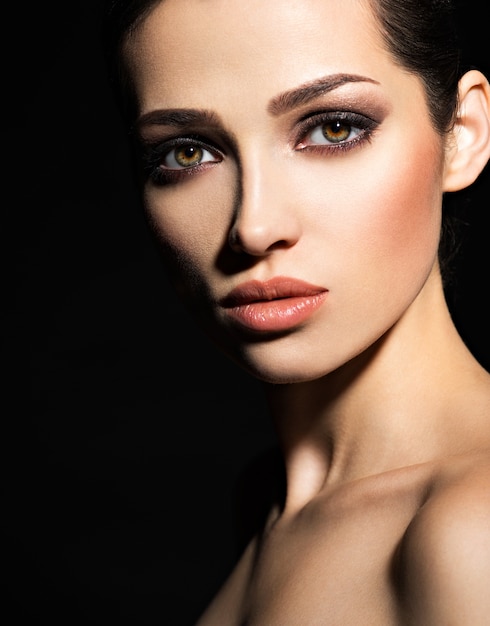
[[408, 215]]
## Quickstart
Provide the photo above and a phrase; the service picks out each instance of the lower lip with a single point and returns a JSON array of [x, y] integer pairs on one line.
[[276, 315]]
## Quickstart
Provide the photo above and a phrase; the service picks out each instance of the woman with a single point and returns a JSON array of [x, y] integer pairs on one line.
[[293, 161]]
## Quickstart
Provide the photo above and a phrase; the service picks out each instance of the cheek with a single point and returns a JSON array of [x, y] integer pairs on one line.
[[408, 223], [397, 225], [191, 221]]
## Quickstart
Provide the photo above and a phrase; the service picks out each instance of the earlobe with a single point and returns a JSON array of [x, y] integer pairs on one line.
[[470, 151]]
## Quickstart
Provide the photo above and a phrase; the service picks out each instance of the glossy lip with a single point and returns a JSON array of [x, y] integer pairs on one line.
[[276, 305]]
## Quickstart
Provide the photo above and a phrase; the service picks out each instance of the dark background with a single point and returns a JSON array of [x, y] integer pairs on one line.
[[128, 440]]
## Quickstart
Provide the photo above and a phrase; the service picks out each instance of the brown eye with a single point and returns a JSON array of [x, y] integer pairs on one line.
[[336, 131], [188, 155]]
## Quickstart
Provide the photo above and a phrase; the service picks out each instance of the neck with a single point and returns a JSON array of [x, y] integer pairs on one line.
[[397, 404]]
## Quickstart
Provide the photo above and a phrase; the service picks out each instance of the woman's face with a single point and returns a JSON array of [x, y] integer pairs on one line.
[[292, 175]]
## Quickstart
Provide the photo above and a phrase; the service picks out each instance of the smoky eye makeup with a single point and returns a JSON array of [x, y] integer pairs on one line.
[[171, 148], [360, 104], [174, 159], [336, 121], [333, 130]]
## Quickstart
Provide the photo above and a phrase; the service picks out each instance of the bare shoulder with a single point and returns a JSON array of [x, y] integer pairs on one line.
[[223, 608], [445, 553]]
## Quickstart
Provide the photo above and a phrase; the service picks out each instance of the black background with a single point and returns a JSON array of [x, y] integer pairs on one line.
[[127, 437]]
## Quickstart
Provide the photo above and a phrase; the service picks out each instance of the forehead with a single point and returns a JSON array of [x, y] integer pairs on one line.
[[188, 51]]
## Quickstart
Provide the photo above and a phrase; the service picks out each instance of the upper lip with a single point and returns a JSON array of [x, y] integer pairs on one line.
[[273, 289]]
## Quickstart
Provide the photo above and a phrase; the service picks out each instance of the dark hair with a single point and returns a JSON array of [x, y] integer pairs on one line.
[[421, 36]]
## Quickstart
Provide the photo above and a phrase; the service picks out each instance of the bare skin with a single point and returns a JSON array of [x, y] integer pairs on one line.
[[398, 532], [382, 414]]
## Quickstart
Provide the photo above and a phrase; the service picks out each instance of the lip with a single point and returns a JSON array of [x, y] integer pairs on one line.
[[279, 304]]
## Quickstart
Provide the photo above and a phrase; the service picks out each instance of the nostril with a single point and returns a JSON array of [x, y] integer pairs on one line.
[[278, 245], [234, 241], [253, 242], [240, 245], [264, 221]]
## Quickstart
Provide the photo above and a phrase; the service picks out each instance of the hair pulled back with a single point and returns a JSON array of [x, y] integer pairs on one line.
[[421, 36]]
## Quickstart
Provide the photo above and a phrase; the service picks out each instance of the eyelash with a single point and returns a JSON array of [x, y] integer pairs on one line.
[[154, 155], [362, 126]]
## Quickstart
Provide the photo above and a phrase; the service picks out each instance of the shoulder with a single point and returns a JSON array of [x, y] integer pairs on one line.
[[445, 552]]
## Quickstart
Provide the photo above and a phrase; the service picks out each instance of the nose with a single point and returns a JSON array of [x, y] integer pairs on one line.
[[265, 218]]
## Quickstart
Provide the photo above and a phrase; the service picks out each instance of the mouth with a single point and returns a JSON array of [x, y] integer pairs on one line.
[[277, 305]]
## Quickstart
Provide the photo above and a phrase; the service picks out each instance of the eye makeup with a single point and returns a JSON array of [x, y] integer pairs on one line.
[[172, 160], [331, 131], [176, 144]]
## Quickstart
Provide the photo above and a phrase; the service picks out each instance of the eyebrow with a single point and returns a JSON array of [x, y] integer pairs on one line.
[[278, 105], [178, 118], [304, 93]]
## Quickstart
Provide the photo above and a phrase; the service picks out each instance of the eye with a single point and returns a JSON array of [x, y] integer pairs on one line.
[[335, 130], [174, 160], [186, 156]]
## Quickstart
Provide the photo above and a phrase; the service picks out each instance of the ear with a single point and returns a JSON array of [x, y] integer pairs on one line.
[[469, 151]]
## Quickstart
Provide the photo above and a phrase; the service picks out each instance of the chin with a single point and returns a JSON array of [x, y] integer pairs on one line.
[[281, 373]]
